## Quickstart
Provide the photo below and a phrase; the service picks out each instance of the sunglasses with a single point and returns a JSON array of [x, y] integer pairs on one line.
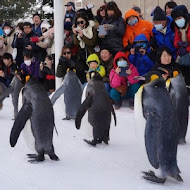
[[80, 22], [67, 52], [102, 9]]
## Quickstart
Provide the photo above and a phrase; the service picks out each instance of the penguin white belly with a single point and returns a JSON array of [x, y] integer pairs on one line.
[[27, 131], [85, 125], [140, 121]]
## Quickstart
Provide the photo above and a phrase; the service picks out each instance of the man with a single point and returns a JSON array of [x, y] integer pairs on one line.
[[36, 27]]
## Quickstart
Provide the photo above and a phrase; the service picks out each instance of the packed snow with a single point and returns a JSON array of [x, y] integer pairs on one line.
[[116, 166]]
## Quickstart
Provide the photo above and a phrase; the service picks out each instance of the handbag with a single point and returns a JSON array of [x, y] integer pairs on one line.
[[184, 60], [122, 89]]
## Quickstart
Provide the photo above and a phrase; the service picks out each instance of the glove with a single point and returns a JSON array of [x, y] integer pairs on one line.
[[183, 44], [182, 51]]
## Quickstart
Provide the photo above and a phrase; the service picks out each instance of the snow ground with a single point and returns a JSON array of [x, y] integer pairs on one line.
[[116, 166]]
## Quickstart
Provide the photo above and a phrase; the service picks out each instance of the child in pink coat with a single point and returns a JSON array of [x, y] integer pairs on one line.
[[122, 81]]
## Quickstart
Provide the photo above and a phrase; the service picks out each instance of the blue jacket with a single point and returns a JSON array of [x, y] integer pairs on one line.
[[167, 40], [142, 62]]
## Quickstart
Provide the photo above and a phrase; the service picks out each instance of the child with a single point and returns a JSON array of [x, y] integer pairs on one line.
[[47, 72], [140, 53], [123, 87], [93, 63], [30, 65]]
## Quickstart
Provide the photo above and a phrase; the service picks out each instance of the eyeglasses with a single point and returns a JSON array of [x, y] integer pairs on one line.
[[67, 52], [102, 9], [80, 22]]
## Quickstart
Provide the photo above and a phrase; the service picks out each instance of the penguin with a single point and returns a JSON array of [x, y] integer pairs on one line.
[[179, 95], [72, 90], [162, 128], [2, 89], [13, 89], [38, 109], [99, 106]]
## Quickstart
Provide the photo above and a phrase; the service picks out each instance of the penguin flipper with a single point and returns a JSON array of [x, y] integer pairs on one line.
[[57, 94], [82, 110], [23, 115], [151, 138], [6, 93]]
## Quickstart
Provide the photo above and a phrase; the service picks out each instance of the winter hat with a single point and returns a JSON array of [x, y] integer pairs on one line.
[[137, 9], [7, 24], [159, 14], [93, 57], [117, 56], [45, 24], [178, 11], [106, 48], [68, 26], [71, 4]]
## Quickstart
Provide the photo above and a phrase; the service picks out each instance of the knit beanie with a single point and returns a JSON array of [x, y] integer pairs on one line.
[[45, 24], [159, 14], [93, 57], [178, 11]]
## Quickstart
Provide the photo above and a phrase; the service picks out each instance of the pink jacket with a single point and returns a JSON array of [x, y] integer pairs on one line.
[[116, 80]]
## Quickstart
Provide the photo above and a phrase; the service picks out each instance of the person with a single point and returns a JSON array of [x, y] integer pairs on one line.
[[9, 68], [8, 37], [134, 27], [47, 73], [27, 42], [123, 87], [19, 51], [164, 60], [30, 66], [163, 35], [65, 62], [93, 63], [169, 7], [85, 37], [70, 12], [101, 14], [114, 27], [140, 55], [181, 18], [36, 27], [106, 60]]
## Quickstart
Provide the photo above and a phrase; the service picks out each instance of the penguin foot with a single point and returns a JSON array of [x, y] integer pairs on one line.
[[54, 157], [66, 118], [93, 142], [36, 158], [31, 155], [181, 141], [150, 176]]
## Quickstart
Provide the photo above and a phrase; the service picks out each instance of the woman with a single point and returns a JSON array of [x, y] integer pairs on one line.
[[101, 14], [181, 18], [85, 37], [115, 27]]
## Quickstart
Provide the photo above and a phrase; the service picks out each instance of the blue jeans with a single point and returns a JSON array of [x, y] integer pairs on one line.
[[115, 95]]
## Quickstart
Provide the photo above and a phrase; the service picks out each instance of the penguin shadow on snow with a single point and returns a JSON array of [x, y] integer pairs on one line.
[[161, 131], [99, 106]]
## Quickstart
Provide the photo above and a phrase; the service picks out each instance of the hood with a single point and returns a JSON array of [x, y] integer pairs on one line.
[[117, 56], [141, 37], [178, 11], [131, 12], [93, 57]]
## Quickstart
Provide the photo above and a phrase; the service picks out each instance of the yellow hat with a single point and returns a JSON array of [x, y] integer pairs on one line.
[[93, 57]]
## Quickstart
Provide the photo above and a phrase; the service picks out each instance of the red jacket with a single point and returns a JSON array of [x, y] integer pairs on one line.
[[177, 37]]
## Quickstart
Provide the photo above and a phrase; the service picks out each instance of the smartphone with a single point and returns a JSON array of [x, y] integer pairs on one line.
[[34, 39], [123, 71]]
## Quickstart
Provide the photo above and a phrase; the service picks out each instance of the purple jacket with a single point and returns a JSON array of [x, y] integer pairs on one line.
[[33, 69]]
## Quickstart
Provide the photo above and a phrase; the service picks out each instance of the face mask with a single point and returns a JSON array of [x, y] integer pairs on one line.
[[133, 22], [180, 23], [7, 31], [28, 62], [158, 26], [122, 63]]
